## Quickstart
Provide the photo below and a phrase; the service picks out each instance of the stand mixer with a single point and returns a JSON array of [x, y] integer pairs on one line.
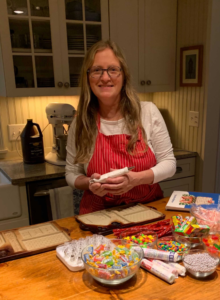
[[59, 114]]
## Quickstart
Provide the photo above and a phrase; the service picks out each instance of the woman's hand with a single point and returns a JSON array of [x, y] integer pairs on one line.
[[122, 184], [97, 188]]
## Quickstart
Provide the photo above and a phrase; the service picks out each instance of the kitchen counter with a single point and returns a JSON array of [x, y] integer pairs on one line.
[[43, 276], [19, 173], [182, 154]]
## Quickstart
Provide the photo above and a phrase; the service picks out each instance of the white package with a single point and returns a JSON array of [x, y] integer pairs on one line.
[[181, 269], [158, 270], [166, 266], [70, 252]]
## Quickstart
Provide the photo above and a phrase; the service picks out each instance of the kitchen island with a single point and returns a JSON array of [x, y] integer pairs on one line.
[[43, 276]]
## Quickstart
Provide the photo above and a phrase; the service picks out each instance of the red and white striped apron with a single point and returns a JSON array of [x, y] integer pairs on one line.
[[110, 153]]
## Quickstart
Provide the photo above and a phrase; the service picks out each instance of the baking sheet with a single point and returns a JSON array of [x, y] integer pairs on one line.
[[16, 243], [104, 221]]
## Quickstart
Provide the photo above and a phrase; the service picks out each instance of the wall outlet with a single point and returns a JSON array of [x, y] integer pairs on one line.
[[14, 131], [194, 118]]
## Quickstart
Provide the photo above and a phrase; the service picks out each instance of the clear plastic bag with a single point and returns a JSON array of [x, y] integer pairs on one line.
[[70, 252], [207, 215]]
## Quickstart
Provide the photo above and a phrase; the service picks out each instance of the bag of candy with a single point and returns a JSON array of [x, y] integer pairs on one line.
[[207, 215]]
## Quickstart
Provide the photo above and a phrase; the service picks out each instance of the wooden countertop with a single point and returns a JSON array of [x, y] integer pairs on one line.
[[43, 276]]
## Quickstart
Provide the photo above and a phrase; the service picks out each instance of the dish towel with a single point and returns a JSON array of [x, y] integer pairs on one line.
[[61, 201]]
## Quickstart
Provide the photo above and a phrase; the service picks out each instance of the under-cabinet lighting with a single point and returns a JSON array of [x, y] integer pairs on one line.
[[18, 12]]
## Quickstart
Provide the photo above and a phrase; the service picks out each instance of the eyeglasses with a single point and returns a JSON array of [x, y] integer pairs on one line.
[[97, 72]]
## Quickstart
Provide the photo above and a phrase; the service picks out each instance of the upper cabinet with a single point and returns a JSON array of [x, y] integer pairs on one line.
[[43, 43], [146, 32]]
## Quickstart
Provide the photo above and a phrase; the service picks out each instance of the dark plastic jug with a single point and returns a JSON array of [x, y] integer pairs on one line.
[[32, 143]]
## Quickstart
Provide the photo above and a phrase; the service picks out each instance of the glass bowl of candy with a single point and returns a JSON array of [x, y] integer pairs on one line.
[[200, 263], [207, 215], [188, 241], [114, 262], [212, 243], [146, 239], [168, 243]]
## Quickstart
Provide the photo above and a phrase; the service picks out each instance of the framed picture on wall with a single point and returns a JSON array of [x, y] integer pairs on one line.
[[191, 60]]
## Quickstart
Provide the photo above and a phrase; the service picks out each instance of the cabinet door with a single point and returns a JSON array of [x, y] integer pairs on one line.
[[158, 48], [82, 24], [183, 184], [124, 28], [30, 47], [146, 32]]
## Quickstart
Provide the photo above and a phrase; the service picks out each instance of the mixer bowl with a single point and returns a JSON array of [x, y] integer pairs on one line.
[[61, 142]]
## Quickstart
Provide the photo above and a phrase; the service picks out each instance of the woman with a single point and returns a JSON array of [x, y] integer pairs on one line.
[[114, 130]]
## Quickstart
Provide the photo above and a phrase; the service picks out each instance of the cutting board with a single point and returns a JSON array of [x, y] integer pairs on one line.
[[25, 241], [104, 221]]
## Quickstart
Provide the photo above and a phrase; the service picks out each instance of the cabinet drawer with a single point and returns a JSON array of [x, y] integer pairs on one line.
[[183, 184], [184, 168]]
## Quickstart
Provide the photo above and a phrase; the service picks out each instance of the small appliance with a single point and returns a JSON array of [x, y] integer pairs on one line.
[[59, 114]]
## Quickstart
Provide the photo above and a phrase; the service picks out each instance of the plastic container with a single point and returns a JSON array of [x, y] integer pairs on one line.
[[70, 252], [197, 267], [191, 242], [32, 143], [112, 276]]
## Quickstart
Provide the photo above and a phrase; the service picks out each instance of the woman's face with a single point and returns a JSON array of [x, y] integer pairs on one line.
[[106, 88]]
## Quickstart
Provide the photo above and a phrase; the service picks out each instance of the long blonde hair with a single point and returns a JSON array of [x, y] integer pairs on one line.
[[86, 128]]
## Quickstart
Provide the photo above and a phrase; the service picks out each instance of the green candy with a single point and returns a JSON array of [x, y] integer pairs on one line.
[[217, 246], [108, 262], [107, 253]]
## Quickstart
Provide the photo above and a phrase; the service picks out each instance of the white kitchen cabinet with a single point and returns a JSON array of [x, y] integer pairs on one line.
[[43, 43], [146, 32], [18, 220], [183, 180]]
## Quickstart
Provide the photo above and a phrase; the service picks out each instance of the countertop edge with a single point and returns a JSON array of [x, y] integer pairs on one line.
[[55, 174]]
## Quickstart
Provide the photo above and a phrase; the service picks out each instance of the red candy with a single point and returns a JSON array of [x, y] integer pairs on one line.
[[99, 249]]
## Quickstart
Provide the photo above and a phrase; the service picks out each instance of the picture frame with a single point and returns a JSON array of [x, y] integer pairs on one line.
[[191, 61]]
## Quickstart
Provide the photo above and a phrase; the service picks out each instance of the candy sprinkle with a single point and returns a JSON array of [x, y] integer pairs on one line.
[[172, 246]]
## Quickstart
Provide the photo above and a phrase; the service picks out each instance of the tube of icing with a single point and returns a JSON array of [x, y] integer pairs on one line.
[[157, 270], [167, 267], [160, 254], [181, 269]]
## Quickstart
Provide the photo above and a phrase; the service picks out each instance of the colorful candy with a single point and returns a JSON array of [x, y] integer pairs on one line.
[[188, 226], [141, 240], [115, 263], [171, 246], [212, 242]]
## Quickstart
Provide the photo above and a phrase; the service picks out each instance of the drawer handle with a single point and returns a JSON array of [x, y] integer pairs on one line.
[[41, 193], [178, 170]]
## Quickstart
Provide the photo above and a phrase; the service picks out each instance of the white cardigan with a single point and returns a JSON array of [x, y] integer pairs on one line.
[[157, 138]]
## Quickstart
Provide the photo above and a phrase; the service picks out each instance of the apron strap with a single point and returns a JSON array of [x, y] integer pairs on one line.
[[98, 122]]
